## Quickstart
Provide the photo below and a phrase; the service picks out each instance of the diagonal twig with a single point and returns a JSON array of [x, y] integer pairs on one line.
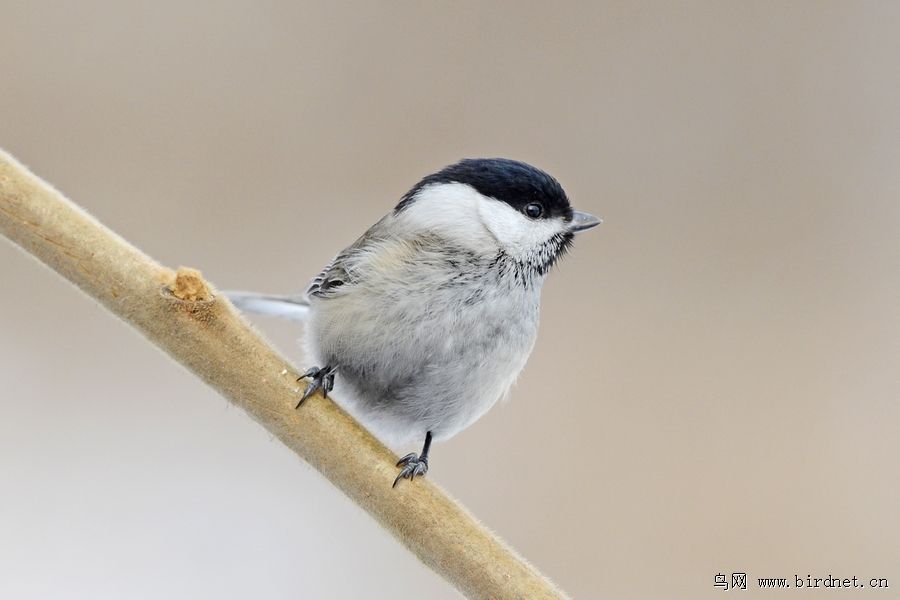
[[181, 313]]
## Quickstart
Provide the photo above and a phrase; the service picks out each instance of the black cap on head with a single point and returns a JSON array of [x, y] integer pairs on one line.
[[515, 183]]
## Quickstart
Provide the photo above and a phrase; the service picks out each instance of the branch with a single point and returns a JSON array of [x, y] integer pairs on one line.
[[181, 314]]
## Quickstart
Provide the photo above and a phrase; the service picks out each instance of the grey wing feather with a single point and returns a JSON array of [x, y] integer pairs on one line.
[[332, 278], [342, 272], [336, 278]]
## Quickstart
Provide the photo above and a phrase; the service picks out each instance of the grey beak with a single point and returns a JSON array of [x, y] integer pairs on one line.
[[582, 221]]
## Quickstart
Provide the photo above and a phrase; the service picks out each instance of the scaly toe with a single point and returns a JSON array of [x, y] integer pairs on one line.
[[310, 373], [320, 379], [413, 467], [309, 391], [407, 459]]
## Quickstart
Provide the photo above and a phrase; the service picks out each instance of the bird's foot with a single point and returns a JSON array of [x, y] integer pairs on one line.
[[413, 466], [320, 379]]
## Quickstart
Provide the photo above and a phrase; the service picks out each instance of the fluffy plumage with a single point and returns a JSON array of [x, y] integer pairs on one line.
[[430, 315]]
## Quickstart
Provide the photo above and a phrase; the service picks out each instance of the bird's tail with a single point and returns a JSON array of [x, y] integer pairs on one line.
[[292, 308]]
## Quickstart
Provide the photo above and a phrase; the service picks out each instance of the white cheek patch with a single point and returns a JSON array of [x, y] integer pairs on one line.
[[515, 232], [450, 209], [458, 211]]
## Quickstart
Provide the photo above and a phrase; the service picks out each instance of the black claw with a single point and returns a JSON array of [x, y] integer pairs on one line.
[[321, 379], [310, 373], [413, 464], [310, 390], [406, 459], [413, 467]]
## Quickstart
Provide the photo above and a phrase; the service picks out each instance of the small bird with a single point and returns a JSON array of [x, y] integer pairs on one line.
[[424, 322]]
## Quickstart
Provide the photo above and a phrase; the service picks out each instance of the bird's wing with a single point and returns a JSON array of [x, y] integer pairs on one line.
[[349, 267], [332, 278], [336, 277], [340, 275]]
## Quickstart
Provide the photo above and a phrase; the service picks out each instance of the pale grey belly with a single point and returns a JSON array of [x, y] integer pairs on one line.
[[405, 368]]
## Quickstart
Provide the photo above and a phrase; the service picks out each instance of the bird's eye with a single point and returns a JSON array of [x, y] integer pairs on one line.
[[534, 210]]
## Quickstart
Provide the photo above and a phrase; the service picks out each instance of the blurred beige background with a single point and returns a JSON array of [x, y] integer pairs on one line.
[[715, 387]]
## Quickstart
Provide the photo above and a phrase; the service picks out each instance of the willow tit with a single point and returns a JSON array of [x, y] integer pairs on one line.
[[425, 321]]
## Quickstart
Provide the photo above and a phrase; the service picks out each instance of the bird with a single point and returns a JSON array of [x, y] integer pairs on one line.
[[426, 320]]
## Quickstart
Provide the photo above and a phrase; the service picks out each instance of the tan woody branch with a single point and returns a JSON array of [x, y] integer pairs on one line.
[[180, 313]]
